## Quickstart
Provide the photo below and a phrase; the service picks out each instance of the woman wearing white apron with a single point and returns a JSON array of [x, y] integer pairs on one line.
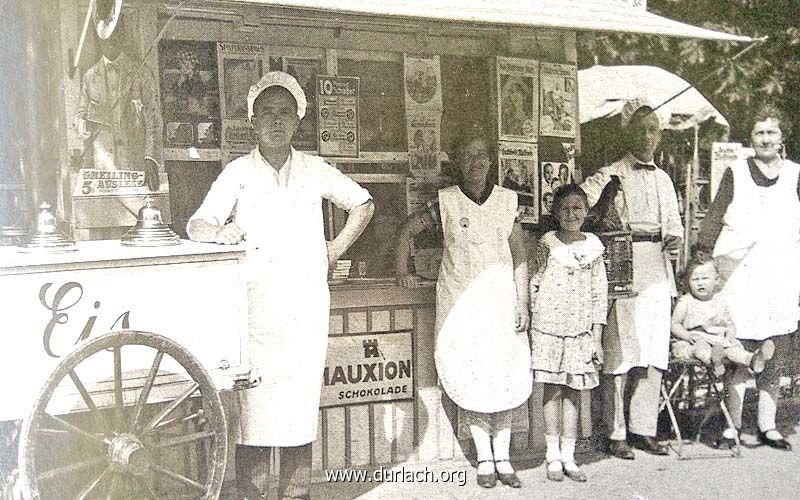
[[272, 197], [482, 353], [753, 227]]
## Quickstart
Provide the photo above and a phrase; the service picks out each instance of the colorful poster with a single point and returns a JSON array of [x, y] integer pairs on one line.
[[240, 66], [559, 100], [337, 115], [424, 131], [518, 99], [423, 82], [517, 171]]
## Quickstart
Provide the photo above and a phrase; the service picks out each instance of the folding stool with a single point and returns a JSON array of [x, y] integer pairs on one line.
[[692, 387]]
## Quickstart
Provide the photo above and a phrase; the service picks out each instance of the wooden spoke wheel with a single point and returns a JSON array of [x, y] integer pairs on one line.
[[157, 447]]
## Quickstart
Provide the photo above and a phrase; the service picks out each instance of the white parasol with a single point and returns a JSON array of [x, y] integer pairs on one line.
[[603, 90]]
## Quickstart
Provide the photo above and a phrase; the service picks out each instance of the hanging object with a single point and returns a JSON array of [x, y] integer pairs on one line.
[[150, 230], [106, 16], [46, 237]]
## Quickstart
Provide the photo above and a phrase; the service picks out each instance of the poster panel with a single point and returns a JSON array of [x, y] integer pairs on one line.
[[190, 98], [554, 174], [559, 100], [518, 99], [517, 171], [424, 132], [423, 82], [723, 155], [240, 66], [305, 71], [337, 115]]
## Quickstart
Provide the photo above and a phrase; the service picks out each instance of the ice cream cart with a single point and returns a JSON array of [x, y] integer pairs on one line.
[[114, 357]]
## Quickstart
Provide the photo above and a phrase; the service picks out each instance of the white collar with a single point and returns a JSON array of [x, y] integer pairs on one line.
[[258, 157], [631, 160], [579, 254]]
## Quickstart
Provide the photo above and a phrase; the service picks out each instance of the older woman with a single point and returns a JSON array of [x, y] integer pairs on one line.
[[481, 353], [753, 227]]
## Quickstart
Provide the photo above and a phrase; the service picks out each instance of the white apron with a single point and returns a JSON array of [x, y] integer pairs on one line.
[[482, 362], [289, 309], [759, 253], [638, 329]]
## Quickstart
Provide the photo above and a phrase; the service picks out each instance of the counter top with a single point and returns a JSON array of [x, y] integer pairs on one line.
[[111, 253]]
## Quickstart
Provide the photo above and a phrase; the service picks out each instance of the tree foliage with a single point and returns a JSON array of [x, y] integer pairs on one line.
[[768, 72]]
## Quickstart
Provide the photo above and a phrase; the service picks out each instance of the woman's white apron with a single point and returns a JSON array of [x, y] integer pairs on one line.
[[758, 252], [482, 362]]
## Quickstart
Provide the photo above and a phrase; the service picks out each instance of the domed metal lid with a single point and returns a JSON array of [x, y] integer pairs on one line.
[[46, 237], [150, 230]]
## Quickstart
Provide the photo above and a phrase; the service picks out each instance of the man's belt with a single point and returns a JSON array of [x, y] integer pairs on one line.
[[648, 237]]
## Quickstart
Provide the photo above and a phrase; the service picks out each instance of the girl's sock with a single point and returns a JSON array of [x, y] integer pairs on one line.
[[729, 433], [501, 444], [553, 453], [568, 453], [483, 448]]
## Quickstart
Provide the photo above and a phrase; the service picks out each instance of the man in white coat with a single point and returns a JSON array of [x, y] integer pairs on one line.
[[636, 340], [271, 199]]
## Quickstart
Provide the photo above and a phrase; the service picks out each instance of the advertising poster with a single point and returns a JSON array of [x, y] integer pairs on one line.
[[518, 99], [427, 246], [189, 94], [723, 154], [517, 171], [554, 174], [96, 182], [559, 100], [305, 71], [423, 82], [423, 143], [240, 66], [337, 115]]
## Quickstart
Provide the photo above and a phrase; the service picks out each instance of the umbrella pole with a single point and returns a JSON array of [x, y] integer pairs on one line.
[[693, 168]]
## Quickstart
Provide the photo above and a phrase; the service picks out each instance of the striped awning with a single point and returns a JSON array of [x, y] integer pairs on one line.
[[578, 15]]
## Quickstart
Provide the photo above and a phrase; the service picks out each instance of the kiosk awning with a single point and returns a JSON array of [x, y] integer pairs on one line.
[[579, 15]]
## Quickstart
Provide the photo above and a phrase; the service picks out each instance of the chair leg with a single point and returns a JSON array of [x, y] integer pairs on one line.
[[724, 407], [673, 420]]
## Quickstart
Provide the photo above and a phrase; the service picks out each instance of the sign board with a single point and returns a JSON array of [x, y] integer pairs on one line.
[[97, 182], [723, 156], [337, 116], [368, 368]]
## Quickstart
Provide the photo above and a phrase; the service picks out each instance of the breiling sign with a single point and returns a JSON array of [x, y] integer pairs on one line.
[[368, 368]]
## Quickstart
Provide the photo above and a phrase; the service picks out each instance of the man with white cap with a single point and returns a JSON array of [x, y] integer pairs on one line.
[[271, 198], [636, 339]]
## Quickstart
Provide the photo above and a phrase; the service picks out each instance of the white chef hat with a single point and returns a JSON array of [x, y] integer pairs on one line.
[[633, 105], [278, 79]]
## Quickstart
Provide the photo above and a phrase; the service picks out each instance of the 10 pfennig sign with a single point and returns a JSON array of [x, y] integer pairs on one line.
[[337, 116]]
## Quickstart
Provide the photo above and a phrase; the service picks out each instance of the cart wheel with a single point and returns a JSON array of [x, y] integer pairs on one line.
[[115, 452]]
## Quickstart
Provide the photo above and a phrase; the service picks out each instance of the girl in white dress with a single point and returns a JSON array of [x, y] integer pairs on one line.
[[568, 292]]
